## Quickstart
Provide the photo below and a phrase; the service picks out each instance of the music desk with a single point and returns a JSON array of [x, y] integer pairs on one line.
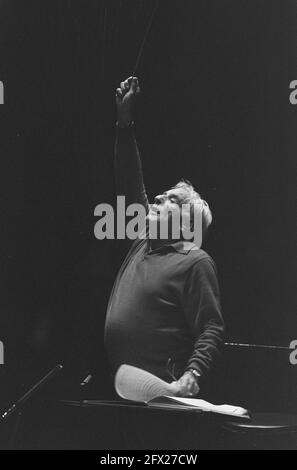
[[113, 425]]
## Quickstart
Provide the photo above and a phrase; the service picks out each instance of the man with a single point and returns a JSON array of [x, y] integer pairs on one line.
[[164, 313]]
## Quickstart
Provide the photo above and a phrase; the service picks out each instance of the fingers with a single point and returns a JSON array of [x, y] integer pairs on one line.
[[125, 86], [134, 84], [130, 84], [176, 389], [119, 95], [188, 386], [127, 92]]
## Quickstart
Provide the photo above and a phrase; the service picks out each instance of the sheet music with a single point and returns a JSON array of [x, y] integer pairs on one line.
[[132, 383], [206, 406], [136, 384]]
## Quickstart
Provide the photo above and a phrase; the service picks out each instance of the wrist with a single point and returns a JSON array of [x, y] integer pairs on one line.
[[124, 121], [124, 129], [195, 374]]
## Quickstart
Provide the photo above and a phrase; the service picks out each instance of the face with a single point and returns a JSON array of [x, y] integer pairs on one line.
[[165, 207]]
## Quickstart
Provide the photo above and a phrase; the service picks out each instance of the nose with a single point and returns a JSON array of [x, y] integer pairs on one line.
[[159, 199]]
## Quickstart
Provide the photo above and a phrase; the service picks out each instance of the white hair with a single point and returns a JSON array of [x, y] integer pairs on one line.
[[196, 203]]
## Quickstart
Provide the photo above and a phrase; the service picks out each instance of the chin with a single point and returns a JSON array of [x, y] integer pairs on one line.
[[153, 217]]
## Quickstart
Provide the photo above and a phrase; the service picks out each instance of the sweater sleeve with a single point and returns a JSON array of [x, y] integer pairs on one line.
[[128, 168], [202, 309]]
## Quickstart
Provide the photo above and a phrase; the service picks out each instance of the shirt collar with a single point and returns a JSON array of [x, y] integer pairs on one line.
[[184, 247], [181, 246]]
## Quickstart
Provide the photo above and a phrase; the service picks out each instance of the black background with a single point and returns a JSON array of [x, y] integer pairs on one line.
[[214, 109]]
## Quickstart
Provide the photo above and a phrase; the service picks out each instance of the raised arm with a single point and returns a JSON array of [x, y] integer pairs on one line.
[[127, 164]]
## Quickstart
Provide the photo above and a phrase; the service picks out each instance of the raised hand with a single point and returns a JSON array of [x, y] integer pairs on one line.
[[125, 98]]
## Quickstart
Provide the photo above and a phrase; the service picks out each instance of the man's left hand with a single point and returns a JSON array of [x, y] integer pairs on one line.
[[186, 386]]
